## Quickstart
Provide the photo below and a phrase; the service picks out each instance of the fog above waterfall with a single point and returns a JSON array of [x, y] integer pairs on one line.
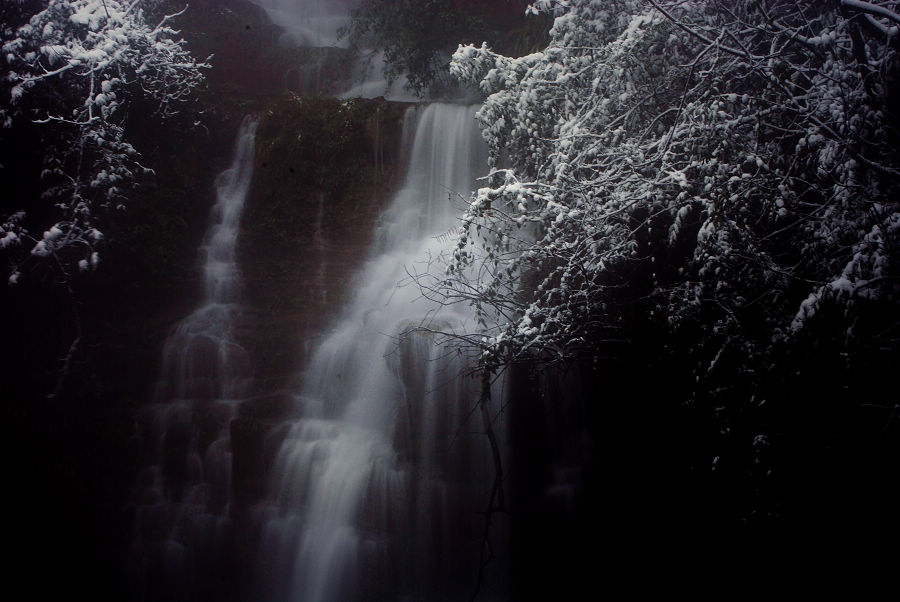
[[313, 23], [317, 24]]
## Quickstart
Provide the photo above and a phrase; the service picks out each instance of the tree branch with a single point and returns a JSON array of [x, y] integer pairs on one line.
[[871, 9]]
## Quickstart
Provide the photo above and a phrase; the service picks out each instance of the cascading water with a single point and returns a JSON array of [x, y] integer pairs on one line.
[[183, 523], [380, 483]]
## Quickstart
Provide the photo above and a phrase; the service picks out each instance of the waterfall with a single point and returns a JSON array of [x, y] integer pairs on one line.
[[379, 484], [182, 512], [377, 487]]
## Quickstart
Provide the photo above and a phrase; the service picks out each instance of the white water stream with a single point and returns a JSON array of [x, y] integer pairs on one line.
[[181, 503], [377, 489], [380, 483]]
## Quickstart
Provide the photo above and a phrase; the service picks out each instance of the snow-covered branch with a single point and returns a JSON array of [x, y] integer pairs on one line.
[[75, 66], [872, 9], [653, 149]]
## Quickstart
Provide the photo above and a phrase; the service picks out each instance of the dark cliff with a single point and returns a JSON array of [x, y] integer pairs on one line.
[[324, 169]]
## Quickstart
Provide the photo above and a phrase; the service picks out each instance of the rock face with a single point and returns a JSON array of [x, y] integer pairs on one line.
[[324, 170]]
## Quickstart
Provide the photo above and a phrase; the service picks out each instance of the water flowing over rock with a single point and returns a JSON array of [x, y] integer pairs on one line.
[[325, 170], [183, 527], [380, 483], [367, 482]]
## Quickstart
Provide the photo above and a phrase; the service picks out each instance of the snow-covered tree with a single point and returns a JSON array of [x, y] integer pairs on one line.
[[76, 67], [703, 194], [732, 165]]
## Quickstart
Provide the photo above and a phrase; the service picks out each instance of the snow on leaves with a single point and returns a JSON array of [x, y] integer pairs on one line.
[[75, 65], [739, 156]]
